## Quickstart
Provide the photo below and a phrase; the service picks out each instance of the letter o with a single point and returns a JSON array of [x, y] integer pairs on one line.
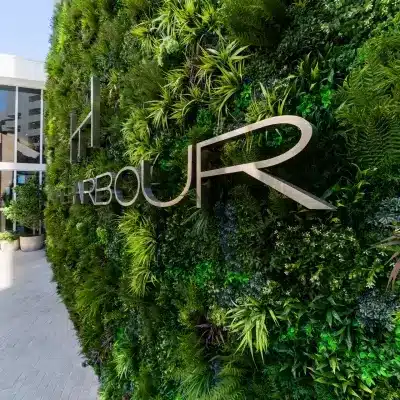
[[121, 201]]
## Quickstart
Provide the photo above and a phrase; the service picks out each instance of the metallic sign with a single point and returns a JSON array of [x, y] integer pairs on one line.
[[77, 141], [90, 189], [253, 169]]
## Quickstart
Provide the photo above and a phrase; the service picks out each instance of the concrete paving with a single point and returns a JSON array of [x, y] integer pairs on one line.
[[39, 352]]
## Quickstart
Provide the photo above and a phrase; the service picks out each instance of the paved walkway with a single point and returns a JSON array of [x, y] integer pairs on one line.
[[39, 353]]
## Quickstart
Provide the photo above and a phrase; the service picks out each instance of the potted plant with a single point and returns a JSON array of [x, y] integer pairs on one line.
[[27, 210], [9, 241]]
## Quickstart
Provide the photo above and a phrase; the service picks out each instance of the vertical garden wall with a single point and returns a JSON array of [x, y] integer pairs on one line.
[[252, 296]]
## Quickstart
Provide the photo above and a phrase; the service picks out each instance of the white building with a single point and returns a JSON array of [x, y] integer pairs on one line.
[[21, 124]]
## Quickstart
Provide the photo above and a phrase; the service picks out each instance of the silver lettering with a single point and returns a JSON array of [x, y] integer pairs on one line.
[[253, 169], [104, 189], [88, 193], [146, 183], [116, 191]]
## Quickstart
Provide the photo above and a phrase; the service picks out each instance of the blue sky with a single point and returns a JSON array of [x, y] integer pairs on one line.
[[25, 27]]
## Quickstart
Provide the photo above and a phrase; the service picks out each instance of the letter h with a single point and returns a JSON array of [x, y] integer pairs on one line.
[[78, 144]]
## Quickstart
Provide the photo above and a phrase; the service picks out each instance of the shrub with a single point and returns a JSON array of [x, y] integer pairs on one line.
[[8, 236], [27, 208]]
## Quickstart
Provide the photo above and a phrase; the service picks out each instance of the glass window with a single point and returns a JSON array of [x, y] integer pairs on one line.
[[23, 177], [28, 150], [6, 194], [44, 134], [34, 125], [34, 98], [34, 111], [7, 123]]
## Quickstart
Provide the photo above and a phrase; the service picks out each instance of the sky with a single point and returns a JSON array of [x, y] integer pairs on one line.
[[25, 28]]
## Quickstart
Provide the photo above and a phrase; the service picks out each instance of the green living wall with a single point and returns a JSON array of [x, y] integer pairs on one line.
[[252, 296]]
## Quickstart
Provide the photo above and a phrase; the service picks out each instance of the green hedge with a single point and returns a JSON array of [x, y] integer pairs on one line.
[[252, 296]]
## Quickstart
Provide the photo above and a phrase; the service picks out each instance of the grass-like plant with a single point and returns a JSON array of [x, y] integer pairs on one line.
[[228, 57], [160, 110], [221, 72], [271, 104], [250, 321], [188, 102], [94, 294], [122, 355], [140, 242], [140, 142], [202, 378], [183, 22]]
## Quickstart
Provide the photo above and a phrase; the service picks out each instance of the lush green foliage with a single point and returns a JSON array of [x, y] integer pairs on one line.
[[27, 207], [371, 103], [252, 296], [257, 23], [8, 236]]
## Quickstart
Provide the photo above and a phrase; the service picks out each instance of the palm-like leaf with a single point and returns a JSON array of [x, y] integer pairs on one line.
[[225, 87], [144, 34], [249, 320], [141, 145], [177, 79], [186, 103], [273, 104], [159, 110]]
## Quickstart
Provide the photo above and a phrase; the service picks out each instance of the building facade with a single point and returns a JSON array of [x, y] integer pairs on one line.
[[21, 126]]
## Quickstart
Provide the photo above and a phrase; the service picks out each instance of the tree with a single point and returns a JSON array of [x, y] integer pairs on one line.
[[26, 208]]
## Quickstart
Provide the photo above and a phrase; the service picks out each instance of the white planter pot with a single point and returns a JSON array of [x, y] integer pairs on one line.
[[31, 243], [9, 246]]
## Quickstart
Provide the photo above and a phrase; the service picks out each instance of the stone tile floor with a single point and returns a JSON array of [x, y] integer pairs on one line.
[[39, 352]]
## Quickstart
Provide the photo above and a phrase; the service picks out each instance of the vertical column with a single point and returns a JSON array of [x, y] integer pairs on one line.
[[41, 125], [40, 185], [14, 194], [15, 149], [16, 126], [41, 146]]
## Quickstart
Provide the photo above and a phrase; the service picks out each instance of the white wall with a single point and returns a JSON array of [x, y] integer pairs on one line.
[[16, 71]]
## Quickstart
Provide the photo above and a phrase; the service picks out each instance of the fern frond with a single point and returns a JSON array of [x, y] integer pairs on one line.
[[370, 104]]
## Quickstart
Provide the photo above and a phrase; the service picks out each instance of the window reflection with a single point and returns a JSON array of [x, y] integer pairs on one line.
[[23, 177], [29, 124], [28, 129], [6, 194], [7, 123]]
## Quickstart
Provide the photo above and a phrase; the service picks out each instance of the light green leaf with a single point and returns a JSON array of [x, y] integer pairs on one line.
[[333, 363], [329, 318], [353, 393], [365, 388]]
